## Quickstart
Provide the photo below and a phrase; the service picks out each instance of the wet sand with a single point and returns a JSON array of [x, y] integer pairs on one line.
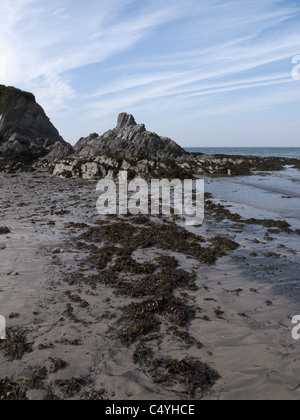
[[68, 322]]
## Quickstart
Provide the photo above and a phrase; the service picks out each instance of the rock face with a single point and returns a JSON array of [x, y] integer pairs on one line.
[[128, 140], [128, 147], [25, 130]]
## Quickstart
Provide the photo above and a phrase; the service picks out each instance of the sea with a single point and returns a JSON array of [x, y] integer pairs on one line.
[[270, 195], [286, 152]]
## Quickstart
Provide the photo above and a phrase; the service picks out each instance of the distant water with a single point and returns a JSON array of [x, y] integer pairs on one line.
[[272, 195], [286, 152]]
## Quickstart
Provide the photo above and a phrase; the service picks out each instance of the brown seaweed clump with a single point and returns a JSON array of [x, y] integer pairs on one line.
[[142, 354], [280, 225], [37, 377], [4, 230], [158, 309], [191, 376], [163, 236], [70, 387], [16, 344], [12, 391], [139, 323]]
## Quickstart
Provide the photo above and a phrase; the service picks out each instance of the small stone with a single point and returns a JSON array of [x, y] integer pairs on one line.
[[57, 251]]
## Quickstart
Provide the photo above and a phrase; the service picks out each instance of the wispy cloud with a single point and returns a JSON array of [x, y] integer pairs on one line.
[[235, 40], [199, 57], [42, 41]]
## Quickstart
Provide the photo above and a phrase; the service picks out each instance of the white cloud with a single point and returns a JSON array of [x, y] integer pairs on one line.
[[42, 41], [182, 54], [258, 38]]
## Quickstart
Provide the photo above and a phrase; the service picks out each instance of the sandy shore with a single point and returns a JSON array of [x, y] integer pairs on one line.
[[67, 302]]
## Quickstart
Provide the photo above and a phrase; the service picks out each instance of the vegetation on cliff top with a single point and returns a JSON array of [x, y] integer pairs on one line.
[[7, 93]]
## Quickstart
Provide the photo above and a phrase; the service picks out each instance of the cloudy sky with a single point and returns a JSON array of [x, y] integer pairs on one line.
[[204, 72]]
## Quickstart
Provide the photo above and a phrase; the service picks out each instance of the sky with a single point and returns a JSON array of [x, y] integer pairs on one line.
[[207, 73]]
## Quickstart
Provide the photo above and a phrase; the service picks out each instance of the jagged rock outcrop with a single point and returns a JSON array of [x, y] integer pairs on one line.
[[128, 140], [130, 147], [26, 132]]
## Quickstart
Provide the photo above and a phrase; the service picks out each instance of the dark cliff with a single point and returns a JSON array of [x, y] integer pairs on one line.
[[26, 133]]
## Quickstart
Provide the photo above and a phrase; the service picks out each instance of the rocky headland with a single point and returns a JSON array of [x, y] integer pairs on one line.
[[26, 133], [28, 140]]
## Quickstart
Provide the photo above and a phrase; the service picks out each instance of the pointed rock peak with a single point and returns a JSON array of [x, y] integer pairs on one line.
[[126, 120]]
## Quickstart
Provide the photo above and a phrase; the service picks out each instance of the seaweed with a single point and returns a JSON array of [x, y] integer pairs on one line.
[[166, 262], [70, 313], [220, 212], [281, 225], [193, 376], [178, 312], [141, 220], [142, 354], [161, 236], [141, 318], [67, 342], [77, 299], [127, 264], [71, 386], [4, 230], [105, 255], [119, 232], [57, 365], [12, 390], [14, 315], [186, 337], [219, 312], [159, 285], [95, 395], [272, 254], [223, 244], [16, 344], [138, 324], [37, 377], [45, 346], [154, 285]]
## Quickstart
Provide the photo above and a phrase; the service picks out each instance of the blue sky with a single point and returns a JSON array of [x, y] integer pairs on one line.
[[204, 72]]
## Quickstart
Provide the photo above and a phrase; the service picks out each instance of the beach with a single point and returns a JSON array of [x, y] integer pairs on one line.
[[149, 203], [145, 308]]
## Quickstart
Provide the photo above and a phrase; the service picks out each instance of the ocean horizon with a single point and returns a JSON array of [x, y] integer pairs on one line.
[[286, 152]]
